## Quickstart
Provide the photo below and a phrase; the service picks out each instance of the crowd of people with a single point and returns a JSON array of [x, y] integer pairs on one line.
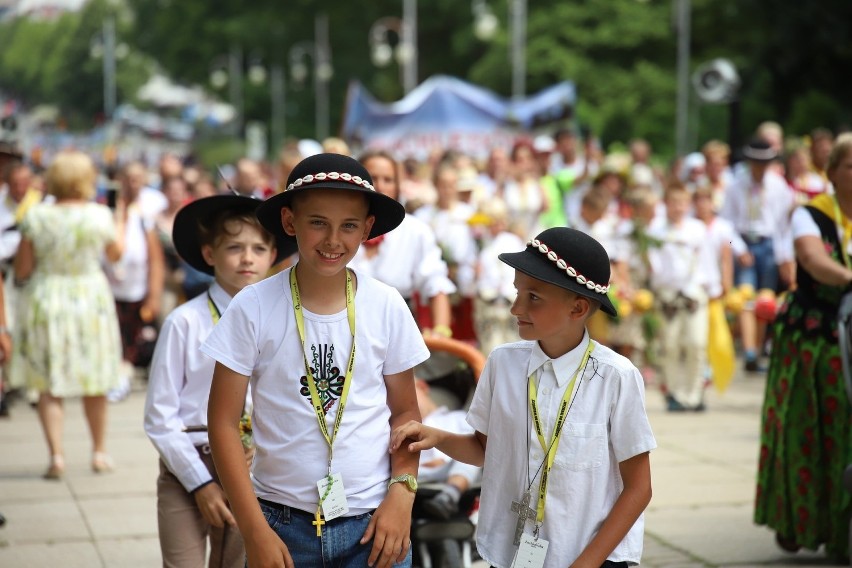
[[724, 255]]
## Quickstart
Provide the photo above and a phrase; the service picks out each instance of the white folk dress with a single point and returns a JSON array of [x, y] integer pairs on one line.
[[67, 339]]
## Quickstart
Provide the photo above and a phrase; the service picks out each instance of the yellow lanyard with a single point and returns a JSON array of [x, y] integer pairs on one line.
[[214, 309], [567, 400], [845, 228], [347, 380]]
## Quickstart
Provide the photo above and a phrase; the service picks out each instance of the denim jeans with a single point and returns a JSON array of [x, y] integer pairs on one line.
[[339, 546], [764, 272]]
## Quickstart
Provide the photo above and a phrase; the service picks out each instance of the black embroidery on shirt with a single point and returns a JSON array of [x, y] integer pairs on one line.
[[327, 377], [594, 369]]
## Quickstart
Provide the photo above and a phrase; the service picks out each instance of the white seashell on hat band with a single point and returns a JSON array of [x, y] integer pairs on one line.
[[334, 176], [567, 268]]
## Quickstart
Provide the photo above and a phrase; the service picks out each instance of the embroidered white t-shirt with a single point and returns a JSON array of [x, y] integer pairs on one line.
[[606, 424], [257, 337]]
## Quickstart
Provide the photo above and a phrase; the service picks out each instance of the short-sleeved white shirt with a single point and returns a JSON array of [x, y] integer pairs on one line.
[[606, 424], [408, 259], [257, 337]]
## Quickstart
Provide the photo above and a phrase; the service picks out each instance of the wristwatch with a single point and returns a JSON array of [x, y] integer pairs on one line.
[[409, 480]]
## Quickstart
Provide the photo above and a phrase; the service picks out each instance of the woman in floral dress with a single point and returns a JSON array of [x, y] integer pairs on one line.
[[68, 342], [805, 432]]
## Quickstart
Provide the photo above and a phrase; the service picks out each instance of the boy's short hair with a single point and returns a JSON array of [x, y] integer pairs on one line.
[[596, 199], [213, 229], [675, 188], [705, 192], [641, 196], [204, 222]]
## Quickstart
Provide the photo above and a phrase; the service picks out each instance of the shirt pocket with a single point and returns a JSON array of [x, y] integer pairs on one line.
[[582, 446]]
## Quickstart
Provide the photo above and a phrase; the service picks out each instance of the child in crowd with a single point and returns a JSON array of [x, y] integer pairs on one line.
[[495, 292], [321, 490], [557, 385], [679, 280], [593, 218], [631, 267], [221, 236]]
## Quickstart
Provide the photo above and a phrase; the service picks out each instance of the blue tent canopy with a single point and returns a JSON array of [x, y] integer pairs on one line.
[[447, 112]]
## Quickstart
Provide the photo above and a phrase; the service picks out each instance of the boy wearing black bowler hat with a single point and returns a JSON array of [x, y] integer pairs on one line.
[[329, 354], [220, 236], [560, 421]]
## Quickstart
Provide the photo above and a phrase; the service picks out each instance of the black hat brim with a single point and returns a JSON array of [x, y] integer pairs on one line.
[[185, 229], [388, 212], [541, 268]]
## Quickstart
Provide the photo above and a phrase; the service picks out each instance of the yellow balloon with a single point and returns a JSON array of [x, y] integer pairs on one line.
[[624, 308], [766, 293], [643, 300], [734, 301], [747, 290]]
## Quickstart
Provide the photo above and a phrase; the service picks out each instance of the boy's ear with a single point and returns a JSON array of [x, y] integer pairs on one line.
[[287, 221], [207, 254], [368, 226], [582, 308]]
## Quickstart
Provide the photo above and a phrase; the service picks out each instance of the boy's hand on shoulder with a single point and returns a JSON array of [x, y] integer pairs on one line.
[[264, 549], [213, 505], [390, 528], [416, 435]]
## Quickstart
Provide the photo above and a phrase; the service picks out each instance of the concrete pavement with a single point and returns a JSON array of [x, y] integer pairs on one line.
[[700, 515]]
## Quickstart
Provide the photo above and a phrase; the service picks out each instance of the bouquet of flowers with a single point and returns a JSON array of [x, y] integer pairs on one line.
[[245, 431]]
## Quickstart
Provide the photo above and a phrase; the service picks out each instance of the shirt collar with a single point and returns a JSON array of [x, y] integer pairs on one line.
[[220, 297], [564, 366]]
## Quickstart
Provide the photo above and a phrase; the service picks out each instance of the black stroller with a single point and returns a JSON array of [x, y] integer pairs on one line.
[[451, 372]]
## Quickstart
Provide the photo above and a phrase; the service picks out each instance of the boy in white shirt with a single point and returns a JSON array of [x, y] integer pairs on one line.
[[321, 489], [545, 503], [680, 280], [221, 236], [495, 292]]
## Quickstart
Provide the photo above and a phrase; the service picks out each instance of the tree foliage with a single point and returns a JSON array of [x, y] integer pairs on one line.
[[621, 54]]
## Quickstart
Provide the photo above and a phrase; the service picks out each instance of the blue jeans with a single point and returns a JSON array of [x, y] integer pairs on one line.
[[339, 546], [764, 272]]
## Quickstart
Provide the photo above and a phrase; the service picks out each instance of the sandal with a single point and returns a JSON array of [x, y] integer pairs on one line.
[[56, 469], [787, 544], [102, 463]]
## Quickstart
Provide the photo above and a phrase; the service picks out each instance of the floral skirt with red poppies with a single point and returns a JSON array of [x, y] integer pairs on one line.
[[805, 440]]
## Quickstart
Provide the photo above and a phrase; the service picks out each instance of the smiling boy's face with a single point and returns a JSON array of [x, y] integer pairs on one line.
[[329, 226]]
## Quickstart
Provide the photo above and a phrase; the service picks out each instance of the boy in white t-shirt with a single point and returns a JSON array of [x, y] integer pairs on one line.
[[329, 354], [220, 236], [560, 422]]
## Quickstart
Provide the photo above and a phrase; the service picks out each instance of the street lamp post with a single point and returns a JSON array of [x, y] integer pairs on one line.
[[320, 53], [684, 25], [409, 44], [104, 47], [518, 17]]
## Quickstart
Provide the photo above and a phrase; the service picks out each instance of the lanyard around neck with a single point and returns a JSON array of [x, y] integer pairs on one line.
[[845, 229], [214, 309], [565, 405], [347, 380]]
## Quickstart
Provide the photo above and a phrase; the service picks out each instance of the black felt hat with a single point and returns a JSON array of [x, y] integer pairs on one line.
[[567, 258], [332, 171], [759, 150], [201, 212]]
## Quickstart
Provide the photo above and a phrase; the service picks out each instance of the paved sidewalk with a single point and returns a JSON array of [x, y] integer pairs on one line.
[[700, 515]]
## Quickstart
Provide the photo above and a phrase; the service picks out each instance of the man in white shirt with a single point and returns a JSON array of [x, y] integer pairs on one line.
[[758, 203]]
